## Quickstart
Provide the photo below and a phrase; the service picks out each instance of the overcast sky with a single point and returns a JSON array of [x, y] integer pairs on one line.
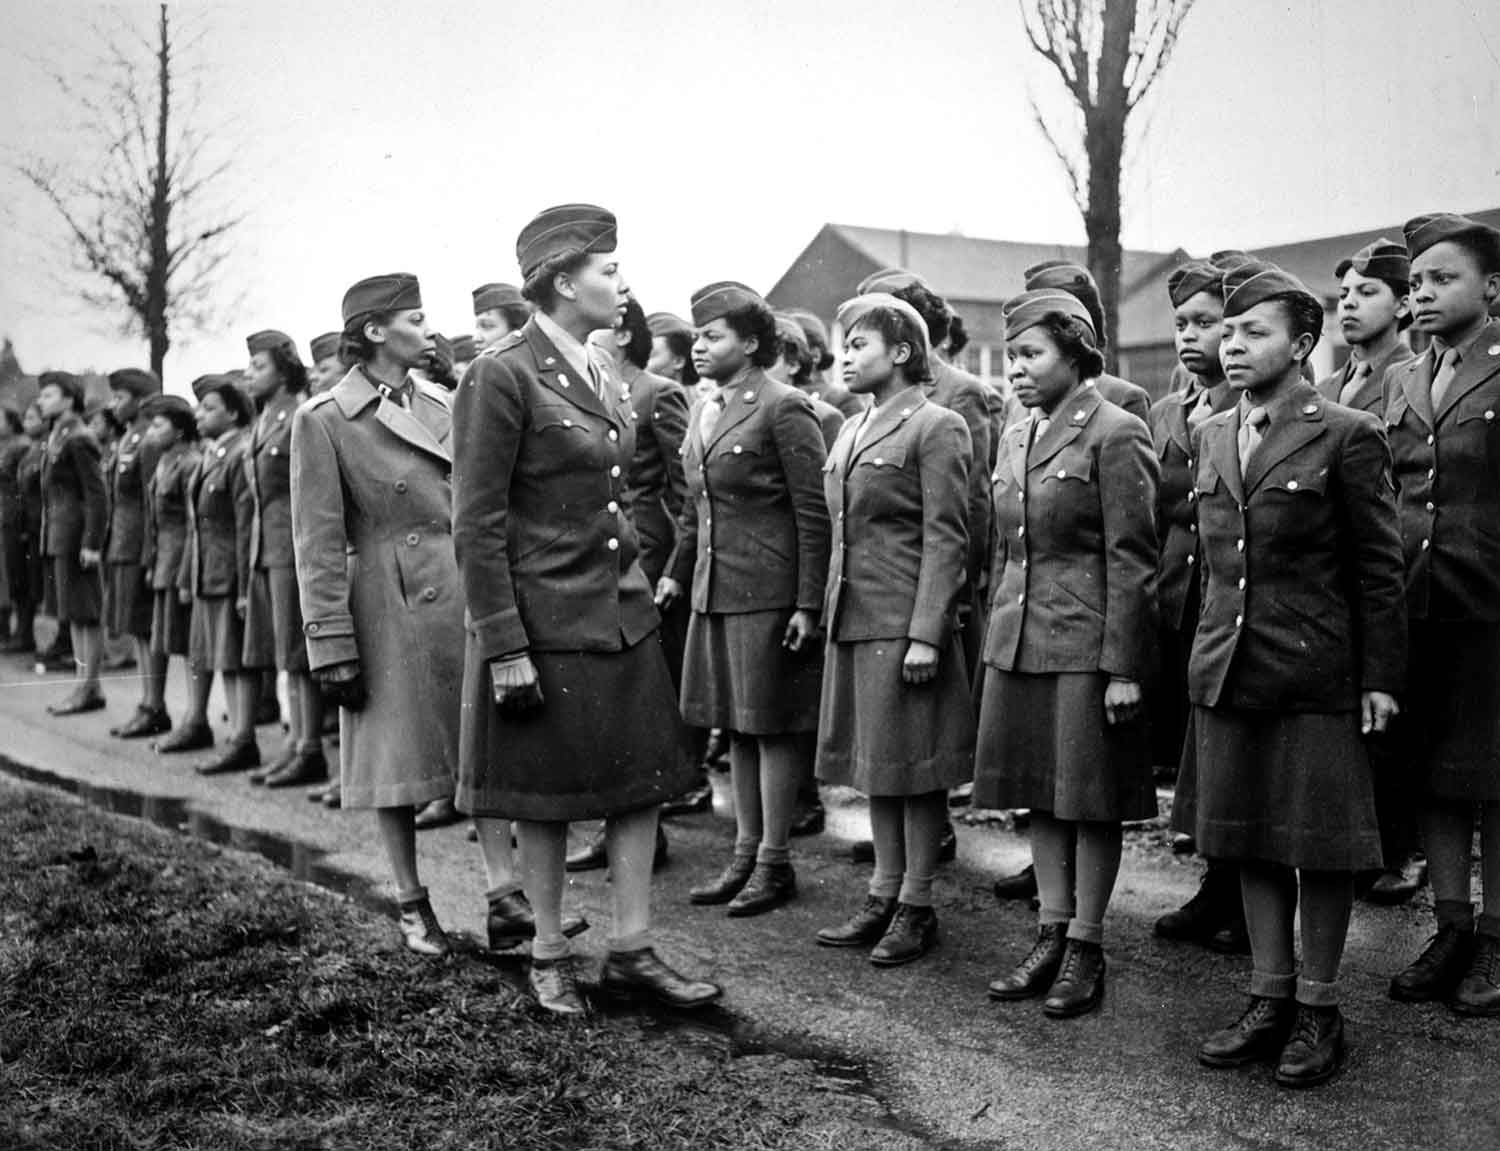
[[374, 136]]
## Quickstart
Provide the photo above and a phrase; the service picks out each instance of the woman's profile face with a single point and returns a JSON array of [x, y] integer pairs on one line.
[[214, 416], [490, 327], [261, 377], [664, 361], [599, 291], [32, 421], [408, 339], [719, 352], [869, 361], [1257, 348], [162, 432], [1039, 374]]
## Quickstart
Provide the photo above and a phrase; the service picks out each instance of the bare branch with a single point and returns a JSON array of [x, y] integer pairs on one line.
[[1153, 49], [1077, 174]]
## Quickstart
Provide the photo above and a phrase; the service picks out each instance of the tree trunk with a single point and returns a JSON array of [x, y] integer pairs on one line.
[[157, 285], [1104, 140]]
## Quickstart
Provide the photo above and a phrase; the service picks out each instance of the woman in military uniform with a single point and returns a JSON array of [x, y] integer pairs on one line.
[[753, 545], [217, 560], [1443, 420], [15, 541], [1068, 646], [499, 310], [127, 591], [277, 382], [1298, 650], [897, 716], [672, 350], [568, 710], [75, 514]]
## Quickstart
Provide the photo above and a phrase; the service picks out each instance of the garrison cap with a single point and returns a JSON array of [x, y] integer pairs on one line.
[[490, 296], [1382, 260], [1029, 309], [1227, 258], [174, 408], [324, 346], [1255, 282], [72, 386], [1075, 279], [1422, 232], [816, 333], [720, 298], [566, 229], [665, 323], [202, 384], [393, 292], [888, 280], [1195, 276], [852, 311], [464, 348], [137, 381], [270, 338], [789, 331]]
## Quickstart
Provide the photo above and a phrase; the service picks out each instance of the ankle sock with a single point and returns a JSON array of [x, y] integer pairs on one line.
[[1054, 915], [501, 890], [885, 885], [1085, 932], [915, 890], [635, 941], [1311, 993], [1273, 984], [773, 855], [545, 947], [411, 895]]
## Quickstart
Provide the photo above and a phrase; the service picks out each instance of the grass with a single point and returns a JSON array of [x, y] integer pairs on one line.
[[158, 992]]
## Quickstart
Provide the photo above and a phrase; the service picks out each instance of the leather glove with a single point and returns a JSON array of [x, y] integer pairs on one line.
[[343, 685]]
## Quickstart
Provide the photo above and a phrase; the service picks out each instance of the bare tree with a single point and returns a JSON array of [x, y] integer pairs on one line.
[[137, 212], [1108, 54]]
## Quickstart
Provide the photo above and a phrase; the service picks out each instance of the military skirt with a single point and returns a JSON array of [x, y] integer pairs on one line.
[[736, 675], [74, 594], [216, 636], [171, 623], [127, 600], [606, 740], [1293, 788], [273, 621], [1450, 727], [887, 737], [1044, 744]]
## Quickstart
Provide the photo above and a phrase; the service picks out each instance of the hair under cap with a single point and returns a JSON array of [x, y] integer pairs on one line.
[[719, 299], [324, 346], [268, 340], [563, 230], [665, 324], [1381, 260], [1029, 309], [888, 280], [1195, 276], [1255, 282], [174, 408], [228, 389], [71, 386], [488, 297], [1422, 232], [137, 381], [393, 292], [789, 331]]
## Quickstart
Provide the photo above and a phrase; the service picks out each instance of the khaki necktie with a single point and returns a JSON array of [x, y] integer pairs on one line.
[[1442, 379], [708, 419], [1201, 410], [864, 426], [1356, 380], [1038, 430], [1252, 429]]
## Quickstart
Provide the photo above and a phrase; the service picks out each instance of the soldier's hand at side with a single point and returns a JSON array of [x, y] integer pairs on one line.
[[516, 686], [343, 684], [920, 664], [1376, 710], [184, 597], [1122, 700], [668, 592], [88, 558], [801, 630]]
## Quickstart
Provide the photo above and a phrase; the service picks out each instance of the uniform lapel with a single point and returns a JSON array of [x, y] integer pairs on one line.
[[1481, 362], [1416, 385], [896, 413], [1177, 425], [403, 423], [1070, 418], [1220, 440], [1301, 424], [559, 378], [741, 402]]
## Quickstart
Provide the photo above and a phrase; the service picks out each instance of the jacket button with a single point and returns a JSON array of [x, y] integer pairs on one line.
[[1426, 544], [1291, 485], [567, 423], [429, 594], [1192, 496], [1432, 473], [1021, 598], [615, 471], [1242, 583], [1431, 440], [613, 544], [1021, 532], [401, 486], [412, 540], [612, 507], [1062, 473], [1239, 621], [738, 449], [1239, 545], [1430, 505], [1191, 560], [613, 435], [1193, 528], [312, 628]]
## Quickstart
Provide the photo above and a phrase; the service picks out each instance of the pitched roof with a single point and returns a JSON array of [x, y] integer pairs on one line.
[[974, 268]]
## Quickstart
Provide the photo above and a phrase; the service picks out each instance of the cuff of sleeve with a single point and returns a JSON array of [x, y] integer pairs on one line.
[[500, 634], [680, 567], [934, 632], [330, 641]]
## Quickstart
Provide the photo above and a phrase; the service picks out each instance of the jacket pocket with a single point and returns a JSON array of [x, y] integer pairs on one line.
[[1299, 481], [887, 457], [1067, 466]]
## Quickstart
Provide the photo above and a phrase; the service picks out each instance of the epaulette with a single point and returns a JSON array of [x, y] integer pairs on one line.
[[505, 344], [318, 400]]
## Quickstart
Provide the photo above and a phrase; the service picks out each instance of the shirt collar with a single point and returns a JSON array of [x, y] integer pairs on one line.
[[1442, 346], [572, 351]]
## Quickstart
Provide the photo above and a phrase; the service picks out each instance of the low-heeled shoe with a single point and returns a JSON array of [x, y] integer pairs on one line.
[[78, 702], [1033, 976], [304, 767], [864, 928], [1436, 972], [189, 737], [438, 813], [555, 985], [727, 884], [629, 974], [510, 922], [1021, 885], [145, 722], [421, 931], [237, 757], [1258, 1034]]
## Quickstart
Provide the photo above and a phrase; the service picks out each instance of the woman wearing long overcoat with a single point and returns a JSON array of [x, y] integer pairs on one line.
[[753, 543], [897, 716], [1072, 620], [568, 705], [1297, 655]]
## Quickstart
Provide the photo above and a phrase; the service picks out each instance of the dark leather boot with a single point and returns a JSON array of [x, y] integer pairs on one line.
[[236, 757], [632, 974], [912, 934], [810, 817], [303, 768], [1079, 986], [555, 985], [1479, 991], [1316, 1048], [146, 721], [189, 737], [1397, 885], [1437, 971], [1034, 975], [695, 801], [1021, 885], [727, 884], [769, 886], [438, 813], [421, 931], [864, 928], [1216, 902], [1260, 1033], [266, 770], [510, 922]]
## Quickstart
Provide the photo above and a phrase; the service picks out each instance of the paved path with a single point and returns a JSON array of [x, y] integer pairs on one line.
[[965, 1071]]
